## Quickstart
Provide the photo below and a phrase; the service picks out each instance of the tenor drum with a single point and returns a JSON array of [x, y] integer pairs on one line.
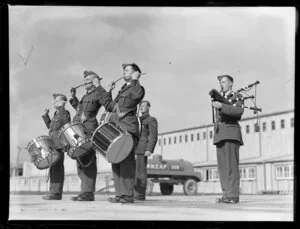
[[73, 134], [42, 152], [112, 142]]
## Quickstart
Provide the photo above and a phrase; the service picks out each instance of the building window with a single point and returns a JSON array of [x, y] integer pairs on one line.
[[192, 137], [282, 123], [256, 127], [213, 175], [159, 142], [198, 136], [273, 125], [165, 141], [248, 173], [284, 172], [180, 139], [292, 122], [247, 129], [204, 135], [210, 134], [264, 126], [186, 138], [175, 140], [169, 140]]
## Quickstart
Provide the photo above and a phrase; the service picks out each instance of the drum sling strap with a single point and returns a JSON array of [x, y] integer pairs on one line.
[[120, 114]]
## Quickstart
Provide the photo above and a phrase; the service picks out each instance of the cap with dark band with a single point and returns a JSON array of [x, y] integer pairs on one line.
[[61, 95], [133, 65], [88, 73], [228, 76]]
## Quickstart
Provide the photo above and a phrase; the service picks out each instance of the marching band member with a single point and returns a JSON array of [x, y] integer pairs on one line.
[[57, 171], [86, 112], [145, 148], [228, 139], [124, 107]]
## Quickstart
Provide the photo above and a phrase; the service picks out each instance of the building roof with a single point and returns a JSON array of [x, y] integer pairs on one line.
[[244, 119], [205, 163], [282, 158]]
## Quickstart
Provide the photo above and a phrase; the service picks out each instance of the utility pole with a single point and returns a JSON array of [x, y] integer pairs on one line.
[[17, 159]]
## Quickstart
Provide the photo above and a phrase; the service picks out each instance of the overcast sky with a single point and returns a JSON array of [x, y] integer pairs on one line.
[[182, 50]]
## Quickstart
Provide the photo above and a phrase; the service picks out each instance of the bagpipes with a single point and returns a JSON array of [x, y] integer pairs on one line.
[[234, 97], [216, 96]]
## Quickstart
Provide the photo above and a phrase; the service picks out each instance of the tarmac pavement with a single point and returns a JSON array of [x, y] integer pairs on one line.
[[173, 207]]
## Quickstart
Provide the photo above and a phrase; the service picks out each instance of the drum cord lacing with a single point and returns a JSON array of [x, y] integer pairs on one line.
[[88, 164], [50, 164]]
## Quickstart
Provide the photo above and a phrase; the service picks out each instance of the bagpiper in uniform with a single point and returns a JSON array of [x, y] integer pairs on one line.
[[127, 100], [145, 148], [86, 112], [228, 139], [57, 171]]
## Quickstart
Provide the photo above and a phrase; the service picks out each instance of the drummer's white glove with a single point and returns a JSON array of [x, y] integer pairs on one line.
[[111, 86], [46, 111], [136, 75], [83, 118], [147, 153]]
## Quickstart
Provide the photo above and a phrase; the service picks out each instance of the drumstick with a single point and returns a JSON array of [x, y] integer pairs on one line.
[[83, 84], [124, 76], [92, 82]]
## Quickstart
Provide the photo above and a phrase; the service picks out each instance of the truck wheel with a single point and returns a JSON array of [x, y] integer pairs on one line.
[[166, 189], [190, 187], [149, 187]]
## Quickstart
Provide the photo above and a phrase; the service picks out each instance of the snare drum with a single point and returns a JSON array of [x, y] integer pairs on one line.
[[112, 142], [73, 134], [42, 152]]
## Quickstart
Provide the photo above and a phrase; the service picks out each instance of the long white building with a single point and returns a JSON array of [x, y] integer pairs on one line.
[[266, 158]]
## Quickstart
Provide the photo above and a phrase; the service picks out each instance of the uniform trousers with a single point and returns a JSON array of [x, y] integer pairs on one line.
[[87, 174], [124, 173], [141, 176], [57, 174], [228, 166]]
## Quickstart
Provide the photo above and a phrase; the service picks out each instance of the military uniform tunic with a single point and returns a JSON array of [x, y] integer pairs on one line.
[[57, 171]]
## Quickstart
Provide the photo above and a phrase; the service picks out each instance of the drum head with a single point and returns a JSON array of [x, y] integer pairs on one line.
[[45, 163], [120, 149], [82, 150]]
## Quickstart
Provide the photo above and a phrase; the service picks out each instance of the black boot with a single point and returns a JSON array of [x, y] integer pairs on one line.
[[53, 196]]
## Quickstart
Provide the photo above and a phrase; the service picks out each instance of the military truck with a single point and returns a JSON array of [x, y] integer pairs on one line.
[[169, 173]]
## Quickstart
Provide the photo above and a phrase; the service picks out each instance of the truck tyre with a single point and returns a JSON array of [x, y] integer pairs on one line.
[[166, 189], [190, 187], [149, 187]]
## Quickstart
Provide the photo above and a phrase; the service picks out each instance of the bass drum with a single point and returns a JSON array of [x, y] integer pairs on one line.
[[112, 142]]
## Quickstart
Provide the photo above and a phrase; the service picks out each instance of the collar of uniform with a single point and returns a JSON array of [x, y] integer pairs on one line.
[[90, 91], [227, 93], [144, 116], [59, 111]]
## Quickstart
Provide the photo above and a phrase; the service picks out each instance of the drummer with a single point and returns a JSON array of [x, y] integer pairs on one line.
[[57, 171], [124, 108], [86, 112]]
